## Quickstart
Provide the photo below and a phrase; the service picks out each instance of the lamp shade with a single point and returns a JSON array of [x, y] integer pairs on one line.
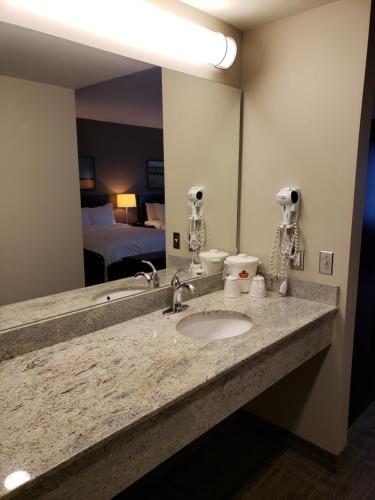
[[126, 200]]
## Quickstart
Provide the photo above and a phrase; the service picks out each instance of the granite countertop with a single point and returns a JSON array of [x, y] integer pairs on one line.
[[41, 308], [65, 399]]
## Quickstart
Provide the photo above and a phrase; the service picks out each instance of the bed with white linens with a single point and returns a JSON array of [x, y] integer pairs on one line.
[[116, 243]]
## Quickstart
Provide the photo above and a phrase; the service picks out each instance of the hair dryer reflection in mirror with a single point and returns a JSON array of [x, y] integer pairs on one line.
[[195, 228]]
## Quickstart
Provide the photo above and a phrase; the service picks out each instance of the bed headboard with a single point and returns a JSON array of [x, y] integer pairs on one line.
[[142, 199], [94, 200]]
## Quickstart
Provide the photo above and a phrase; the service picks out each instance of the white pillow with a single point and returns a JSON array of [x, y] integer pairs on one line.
[[151, 211], [100, 216], [85, 217], [160, 210]]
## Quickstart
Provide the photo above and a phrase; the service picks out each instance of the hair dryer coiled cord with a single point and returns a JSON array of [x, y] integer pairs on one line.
[[287, 240], [195, 236]]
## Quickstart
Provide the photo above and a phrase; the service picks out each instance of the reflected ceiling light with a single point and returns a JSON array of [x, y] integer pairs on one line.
[[139, 24], [15, 479]]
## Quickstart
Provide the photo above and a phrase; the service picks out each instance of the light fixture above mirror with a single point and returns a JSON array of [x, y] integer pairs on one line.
[[138, 24]]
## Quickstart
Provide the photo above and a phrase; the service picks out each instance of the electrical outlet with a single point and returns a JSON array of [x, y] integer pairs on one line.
[[325, 262], [299, 262], [176, 240]]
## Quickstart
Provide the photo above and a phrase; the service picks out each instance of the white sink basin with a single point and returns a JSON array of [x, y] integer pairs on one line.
[[119, 294], [214, 325]]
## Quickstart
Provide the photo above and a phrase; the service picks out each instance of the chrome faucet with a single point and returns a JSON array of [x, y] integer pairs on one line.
[[177, 288], [152, 278]]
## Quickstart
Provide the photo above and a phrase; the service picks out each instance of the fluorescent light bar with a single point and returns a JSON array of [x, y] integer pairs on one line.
[[138, 24]]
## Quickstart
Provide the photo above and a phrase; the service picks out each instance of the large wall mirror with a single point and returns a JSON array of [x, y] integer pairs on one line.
[[97, 155]]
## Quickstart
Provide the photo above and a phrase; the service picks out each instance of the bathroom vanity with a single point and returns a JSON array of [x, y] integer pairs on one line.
[[90, 415], [97, 386]]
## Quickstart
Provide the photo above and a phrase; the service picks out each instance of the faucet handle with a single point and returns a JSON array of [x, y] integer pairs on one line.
[[141, 274], [191, 288]]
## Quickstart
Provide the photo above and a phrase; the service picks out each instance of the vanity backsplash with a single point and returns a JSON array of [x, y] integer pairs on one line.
[[17, 339], [34, 335]]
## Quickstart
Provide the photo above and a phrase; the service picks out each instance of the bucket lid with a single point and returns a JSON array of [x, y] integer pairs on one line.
[[213, 254], [242, 258]]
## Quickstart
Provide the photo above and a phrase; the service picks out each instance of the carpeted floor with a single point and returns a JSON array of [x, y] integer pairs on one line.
[[237, 461]]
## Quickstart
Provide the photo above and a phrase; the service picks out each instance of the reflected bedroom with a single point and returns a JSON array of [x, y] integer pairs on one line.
[[121, 170]]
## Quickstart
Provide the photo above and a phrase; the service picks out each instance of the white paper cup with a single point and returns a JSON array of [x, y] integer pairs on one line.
[[231, 287], [258, 287]]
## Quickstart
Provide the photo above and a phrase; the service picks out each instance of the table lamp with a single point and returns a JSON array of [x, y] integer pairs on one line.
[[126, 201]]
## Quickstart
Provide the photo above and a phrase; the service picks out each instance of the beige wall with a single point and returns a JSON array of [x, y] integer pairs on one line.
[[303, 83], [40, 220], [201, 148], [11, 14]]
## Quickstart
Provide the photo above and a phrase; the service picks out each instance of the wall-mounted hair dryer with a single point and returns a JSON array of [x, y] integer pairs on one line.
[[195, 229], [196, 197], [286, 238], [289, 199]]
